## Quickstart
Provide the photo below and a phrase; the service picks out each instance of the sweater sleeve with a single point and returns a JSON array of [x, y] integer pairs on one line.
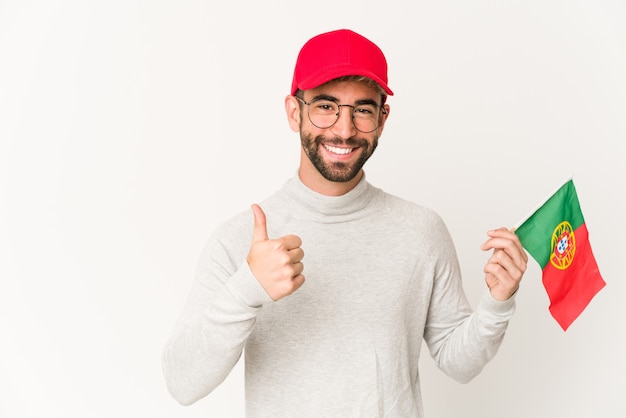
[[216, 321], [461, 341]]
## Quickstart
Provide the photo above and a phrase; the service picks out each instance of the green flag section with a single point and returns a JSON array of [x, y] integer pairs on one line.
[[556, 236]]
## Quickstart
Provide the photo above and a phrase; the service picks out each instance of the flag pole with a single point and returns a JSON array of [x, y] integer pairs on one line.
[[525, 218]]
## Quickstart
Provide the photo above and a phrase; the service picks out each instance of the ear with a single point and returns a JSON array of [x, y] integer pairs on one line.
[[292, 108], [383, 118]]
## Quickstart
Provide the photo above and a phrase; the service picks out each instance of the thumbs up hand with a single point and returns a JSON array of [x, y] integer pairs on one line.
[[276, 263]]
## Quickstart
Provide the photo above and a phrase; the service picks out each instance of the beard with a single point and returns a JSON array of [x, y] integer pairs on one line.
[[337, 171]]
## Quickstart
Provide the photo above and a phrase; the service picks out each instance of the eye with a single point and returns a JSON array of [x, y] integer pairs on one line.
[[324, 106], [365, 110]]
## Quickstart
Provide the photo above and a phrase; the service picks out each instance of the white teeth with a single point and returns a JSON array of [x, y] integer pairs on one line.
[[336, 150]]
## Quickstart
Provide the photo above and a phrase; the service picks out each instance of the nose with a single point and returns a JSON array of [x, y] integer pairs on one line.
[[344, 127]]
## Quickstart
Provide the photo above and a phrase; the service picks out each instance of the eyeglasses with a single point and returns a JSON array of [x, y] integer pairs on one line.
[[324, 113]]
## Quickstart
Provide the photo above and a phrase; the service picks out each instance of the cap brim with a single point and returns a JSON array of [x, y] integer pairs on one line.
[[331, 73]]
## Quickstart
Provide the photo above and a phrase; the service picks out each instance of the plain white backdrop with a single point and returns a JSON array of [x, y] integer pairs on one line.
[[130, 129]]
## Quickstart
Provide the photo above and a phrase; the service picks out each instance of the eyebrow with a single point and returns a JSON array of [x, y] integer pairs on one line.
[[336, 100]]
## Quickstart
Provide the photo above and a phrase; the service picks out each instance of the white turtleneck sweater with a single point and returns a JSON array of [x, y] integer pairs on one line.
[[381, 276]]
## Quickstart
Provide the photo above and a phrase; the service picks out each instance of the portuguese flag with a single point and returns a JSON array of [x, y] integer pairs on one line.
[[556, 236]]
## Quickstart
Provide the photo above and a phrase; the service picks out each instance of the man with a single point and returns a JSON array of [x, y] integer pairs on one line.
[[381, 273]]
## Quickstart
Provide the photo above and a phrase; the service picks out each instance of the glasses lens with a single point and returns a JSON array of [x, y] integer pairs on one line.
[[365, 117], [323, 113]]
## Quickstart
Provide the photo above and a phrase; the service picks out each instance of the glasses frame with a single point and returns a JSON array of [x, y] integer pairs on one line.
[[381, 108]]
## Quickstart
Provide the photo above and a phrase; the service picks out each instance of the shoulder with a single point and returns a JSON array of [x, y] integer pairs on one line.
[[410, 212], [417, 223]]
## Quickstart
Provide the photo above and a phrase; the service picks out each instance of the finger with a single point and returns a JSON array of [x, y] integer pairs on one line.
[[507, 241], [260, 224], [497, 274], [508, 234], [517, 254], [500, 259], [290, 242], [500, 233], [298, 268], [297, 281], [296, 255], [286, 287], [490, 280], [500, 282], [510, 260], [505, 244]]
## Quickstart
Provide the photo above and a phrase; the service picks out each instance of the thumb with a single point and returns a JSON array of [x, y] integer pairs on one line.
[[260, 226]]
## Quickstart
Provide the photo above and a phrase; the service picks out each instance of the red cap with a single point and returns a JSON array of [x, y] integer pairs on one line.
[[335, 54]]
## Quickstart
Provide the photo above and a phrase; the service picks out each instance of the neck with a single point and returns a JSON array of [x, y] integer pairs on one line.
[[316, 182]]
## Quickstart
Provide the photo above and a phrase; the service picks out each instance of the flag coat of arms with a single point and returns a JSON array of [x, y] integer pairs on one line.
[[556, 236]]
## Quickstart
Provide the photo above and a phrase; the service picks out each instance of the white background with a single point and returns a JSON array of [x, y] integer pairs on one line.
[[130, 129]]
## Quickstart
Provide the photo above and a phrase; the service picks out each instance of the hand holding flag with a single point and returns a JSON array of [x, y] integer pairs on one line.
[[507, 264]]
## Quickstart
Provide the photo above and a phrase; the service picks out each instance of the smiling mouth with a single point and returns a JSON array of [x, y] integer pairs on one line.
[[338, 150]]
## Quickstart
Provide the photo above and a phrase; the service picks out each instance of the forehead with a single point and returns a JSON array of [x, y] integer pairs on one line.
[[346, 90]]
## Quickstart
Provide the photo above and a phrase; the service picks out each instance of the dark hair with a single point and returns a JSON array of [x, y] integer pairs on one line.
[[356, 78]]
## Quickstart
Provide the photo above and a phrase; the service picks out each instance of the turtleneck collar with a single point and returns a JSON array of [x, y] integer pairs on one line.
[[330, 209]]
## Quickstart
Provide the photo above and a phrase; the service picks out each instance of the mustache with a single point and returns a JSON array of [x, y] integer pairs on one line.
[[350, 142]]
